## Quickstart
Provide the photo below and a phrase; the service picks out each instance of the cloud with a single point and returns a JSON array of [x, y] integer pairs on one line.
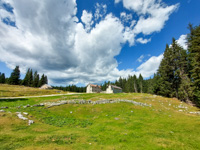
[[100, 11], [152, 14], [126, 17], [182, 41], [150, 67], [140, 58], [87, 19], [49, 38], [143, 41]]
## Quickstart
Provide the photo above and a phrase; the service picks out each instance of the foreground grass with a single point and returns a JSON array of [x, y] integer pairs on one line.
[[105, 126], [17, 91]]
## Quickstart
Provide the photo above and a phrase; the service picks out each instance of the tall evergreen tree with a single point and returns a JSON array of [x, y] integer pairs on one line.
[[26, 78], [3, 78], [194, 58], [141, 83], [45, 80], [166, 73], [135, 84], [30, 78], [36, 79], [15, 76], [42, 80]]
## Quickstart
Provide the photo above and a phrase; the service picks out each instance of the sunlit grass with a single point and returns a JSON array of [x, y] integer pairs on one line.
[[104, 126], [17, 91]]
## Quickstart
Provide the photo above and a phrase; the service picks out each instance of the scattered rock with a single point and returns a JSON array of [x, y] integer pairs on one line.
[[25, 113], [2, 111], [20, 116], [4, 107], [116, 118], [30, 122], [198, 113]]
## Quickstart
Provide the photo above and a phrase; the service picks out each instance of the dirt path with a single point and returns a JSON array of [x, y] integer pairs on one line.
[[39, 96]]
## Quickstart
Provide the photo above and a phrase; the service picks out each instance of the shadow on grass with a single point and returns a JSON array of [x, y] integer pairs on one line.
[[13, 100]]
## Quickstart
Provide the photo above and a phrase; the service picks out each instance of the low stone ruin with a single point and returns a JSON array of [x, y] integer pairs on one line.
[[106, 101]]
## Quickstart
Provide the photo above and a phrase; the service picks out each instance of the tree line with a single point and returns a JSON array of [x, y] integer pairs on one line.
[[31, 79], [178, 74], [132, 84], [71, 88]]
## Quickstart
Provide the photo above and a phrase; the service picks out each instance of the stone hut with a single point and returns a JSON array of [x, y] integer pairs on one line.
[[91, 88], [45, 86], [113, 89]]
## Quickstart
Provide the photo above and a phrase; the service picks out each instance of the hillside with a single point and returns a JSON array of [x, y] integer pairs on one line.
[[18, 91], [141, 121]]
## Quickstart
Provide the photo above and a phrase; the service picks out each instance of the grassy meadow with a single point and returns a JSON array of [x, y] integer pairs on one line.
[[117, 126], [17, 91]]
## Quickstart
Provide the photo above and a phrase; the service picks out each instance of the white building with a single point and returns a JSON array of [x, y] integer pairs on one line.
[[91, 88], [45, 86], [113, 89]]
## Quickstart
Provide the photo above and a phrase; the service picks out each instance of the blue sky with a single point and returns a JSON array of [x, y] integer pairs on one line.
[[80, 42]]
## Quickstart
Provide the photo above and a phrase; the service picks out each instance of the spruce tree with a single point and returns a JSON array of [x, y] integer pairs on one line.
[[36, 79], [45, 80], [15, 76], [194, 59], [30, 78], [141, 83], [135, 84], [3, 79], [42, 81], [25, 82], [166, 74]]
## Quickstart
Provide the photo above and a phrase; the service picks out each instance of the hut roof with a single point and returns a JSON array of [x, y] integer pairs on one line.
[[46, 86]]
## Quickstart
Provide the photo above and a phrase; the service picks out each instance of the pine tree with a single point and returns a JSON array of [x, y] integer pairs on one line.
[[45, 80], [30, 78], [141, 83], [135, 84], [3, 79], [15, 76], [165, 72], [194, 59], [42, 80], [0, 78], [25, 82], [36, 79]]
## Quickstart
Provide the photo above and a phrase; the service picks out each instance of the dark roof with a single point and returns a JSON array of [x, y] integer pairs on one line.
[[94, 85]]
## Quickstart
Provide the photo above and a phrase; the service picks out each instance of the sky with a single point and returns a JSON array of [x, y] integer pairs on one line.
[[83, 41]]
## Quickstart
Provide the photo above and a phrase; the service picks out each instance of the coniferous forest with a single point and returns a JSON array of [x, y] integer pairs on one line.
[[178, 74], [31, 79]]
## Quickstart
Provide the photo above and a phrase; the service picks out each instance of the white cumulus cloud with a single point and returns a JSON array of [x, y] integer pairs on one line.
[[49, 38], [151, 66], [182, 41]]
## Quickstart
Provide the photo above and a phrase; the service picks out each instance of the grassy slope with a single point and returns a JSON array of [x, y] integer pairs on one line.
[[16, 91], [106, 126]]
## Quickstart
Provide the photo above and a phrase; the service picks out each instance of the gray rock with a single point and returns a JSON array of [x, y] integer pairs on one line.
[[2, 111], [20, 116], [4, 107], [30, 122], [25, 113]]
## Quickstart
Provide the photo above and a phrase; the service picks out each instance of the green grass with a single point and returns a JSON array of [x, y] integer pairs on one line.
[[17, 91], [120, 126]]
